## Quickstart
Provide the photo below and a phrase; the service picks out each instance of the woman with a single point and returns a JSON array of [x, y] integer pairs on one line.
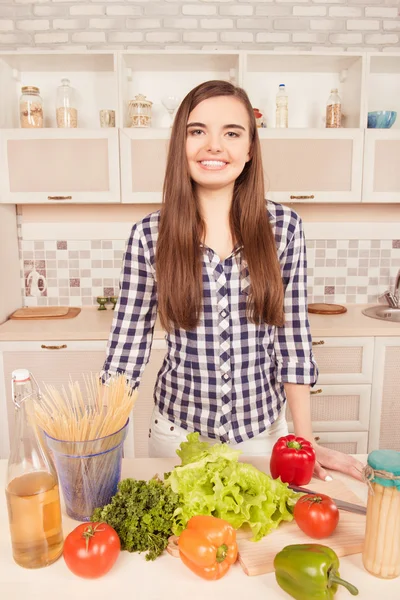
[[226, 272]]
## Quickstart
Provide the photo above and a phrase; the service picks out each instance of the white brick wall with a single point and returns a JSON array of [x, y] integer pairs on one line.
[[222, 24]]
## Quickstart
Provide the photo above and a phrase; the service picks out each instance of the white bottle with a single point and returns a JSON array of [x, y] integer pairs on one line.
[[282, 107]]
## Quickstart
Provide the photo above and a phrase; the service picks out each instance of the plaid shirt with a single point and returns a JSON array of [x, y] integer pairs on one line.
[[224, 379]]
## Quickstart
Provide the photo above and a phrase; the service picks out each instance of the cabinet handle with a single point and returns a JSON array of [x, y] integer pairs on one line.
[[320, 343], [59, 197], [53, 347], [316, 392], [302, 197]]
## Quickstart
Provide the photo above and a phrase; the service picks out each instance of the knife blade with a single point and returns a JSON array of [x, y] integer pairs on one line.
[[341, 504]]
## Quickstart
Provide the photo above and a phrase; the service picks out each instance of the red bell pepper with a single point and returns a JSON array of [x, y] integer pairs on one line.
[[293, 460]]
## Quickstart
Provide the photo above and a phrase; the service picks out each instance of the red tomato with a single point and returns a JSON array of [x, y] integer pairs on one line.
[[316, 515], [91, 549]]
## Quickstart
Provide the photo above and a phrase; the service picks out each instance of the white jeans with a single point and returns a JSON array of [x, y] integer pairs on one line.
[[165, 437]]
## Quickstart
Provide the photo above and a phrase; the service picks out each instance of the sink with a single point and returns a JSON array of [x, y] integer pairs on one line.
[[386, 313]]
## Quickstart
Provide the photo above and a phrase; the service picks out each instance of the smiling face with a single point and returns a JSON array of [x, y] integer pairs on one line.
[[217, 142]]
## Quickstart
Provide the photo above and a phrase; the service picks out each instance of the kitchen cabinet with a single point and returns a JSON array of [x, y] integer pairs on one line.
[[304, 163], [341, 399], [143, 162], [57, 362], [52, 166], [385, 405], [312, 165], [381, 181]]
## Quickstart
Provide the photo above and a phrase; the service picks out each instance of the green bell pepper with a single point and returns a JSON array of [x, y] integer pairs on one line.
[[309, 572]]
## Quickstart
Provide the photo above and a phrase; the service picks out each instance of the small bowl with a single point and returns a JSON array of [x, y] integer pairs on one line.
[[381, 119]]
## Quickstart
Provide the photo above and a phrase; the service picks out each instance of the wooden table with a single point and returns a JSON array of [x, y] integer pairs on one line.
[[134, 578]]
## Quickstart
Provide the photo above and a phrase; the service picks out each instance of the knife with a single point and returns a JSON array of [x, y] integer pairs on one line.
[[341, 504]]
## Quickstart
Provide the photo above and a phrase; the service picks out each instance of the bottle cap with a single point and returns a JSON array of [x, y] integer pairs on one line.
[[281, 85], [334, 91], [20, 375]]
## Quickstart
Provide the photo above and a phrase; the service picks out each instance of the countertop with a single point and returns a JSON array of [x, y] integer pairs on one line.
[[92, 324], [166, 578]]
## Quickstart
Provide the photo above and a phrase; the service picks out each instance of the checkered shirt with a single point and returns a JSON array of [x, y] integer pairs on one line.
[[225, 378]]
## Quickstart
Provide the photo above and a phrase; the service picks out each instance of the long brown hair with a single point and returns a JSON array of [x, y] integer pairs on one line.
[[182, 229]]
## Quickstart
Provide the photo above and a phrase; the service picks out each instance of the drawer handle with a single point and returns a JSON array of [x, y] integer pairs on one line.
[[302, 197], [316, 392], [320, 343], [53, 347], [59, 197]]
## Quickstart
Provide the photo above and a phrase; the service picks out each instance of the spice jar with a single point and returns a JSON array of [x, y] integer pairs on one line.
[[31, 107], [334, 110], [139, 110], [381, 554], [66, 111]]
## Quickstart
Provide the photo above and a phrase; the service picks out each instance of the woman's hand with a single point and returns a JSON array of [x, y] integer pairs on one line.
[[336, 461]]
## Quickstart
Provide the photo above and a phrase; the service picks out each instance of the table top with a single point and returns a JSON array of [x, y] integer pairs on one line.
[[166, 578]]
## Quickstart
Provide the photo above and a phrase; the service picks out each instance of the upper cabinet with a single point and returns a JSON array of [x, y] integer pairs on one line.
[[306, 162], [381, 181], [312, 165], [56, 164], [66, 166]]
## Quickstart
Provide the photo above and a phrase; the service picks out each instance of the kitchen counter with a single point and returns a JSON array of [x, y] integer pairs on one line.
[[92, 324], [166, 578]]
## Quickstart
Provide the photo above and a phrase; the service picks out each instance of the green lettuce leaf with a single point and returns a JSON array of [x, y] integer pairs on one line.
[[212, 481]]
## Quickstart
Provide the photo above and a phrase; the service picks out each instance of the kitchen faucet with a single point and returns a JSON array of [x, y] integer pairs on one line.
[[393, 299]]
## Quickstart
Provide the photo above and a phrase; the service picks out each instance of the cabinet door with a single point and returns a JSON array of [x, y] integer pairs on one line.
[[311, 165], [52, 363], [59, 166], [143, 161], [381, 180], [347, 442], [339, 408], [344, 360], [385, 400]]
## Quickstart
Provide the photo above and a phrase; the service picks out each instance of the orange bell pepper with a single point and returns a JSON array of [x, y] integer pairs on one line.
[[208, 546]]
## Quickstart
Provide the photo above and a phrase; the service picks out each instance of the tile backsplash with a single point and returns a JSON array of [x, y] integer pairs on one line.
[[76, 272]]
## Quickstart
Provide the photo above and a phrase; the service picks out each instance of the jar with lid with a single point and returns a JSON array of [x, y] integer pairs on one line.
[[139, 110], [66, 111], [381, 553], [334, 110], [30, 107], [32, 491]]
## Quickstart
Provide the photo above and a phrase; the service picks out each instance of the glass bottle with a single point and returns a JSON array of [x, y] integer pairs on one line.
[[67, 113], [30, 107], [32, 492], [334, 110], [381, 553], [282, 103]]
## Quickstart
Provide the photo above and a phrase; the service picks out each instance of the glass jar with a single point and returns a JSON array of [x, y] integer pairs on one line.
[[381, 553], [30, 107], [32, 491], [139, 110], [66, 111], [334, 110]]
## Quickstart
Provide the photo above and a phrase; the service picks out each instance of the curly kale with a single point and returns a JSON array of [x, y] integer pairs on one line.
[[141, 512]]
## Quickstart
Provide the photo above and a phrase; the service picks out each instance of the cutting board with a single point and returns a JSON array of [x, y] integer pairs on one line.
[[257, 558], [45, 312], [321, 308]]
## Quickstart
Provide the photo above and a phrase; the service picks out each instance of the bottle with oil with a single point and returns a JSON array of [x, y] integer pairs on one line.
[[32, 492]]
